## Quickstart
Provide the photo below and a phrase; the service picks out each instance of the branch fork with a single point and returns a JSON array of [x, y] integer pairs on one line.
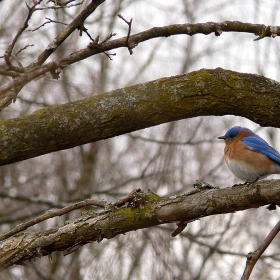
[[129, 23]]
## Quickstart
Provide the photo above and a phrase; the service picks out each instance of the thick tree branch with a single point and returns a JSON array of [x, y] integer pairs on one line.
[[36, 69], [200, 93], [136, 211]]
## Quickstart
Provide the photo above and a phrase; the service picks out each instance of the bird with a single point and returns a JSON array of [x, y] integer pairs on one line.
[[248, 156]]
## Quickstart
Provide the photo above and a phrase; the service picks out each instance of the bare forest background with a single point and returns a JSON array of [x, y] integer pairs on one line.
[[168, 159]]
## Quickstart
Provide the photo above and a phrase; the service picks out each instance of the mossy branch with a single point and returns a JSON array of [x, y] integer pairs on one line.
[[200, 93], [144, 210]]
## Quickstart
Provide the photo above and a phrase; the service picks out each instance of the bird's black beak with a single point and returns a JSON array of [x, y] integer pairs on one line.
[[222, 137]]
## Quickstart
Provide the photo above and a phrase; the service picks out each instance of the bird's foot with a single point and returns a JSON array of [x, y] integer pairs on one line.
[[246, 183], [240, 184]]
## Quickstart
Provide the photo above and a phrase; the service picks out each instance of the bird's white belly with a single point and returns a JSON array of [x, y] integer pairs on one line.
[[247, 172]]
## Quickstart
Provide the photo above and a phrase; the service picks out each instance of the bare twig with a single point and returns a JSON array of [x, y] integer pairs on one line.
[[55, 213], [12, 88], [24, 48], [32, 199], [109, 55], [180, 227], [83, 29], [253, 257], [36, 69], [49, 21], [60, 5], [129, 23], [162, 142], [9, 50], [17, 60], [108, 38], [88, 10]]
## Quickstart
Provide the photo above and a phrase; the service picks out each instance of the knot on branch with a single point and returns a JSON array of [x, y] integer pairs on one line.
[[273, 31], [218, 31], [269, 31], [199, 185], [95, 44], [136, 198]]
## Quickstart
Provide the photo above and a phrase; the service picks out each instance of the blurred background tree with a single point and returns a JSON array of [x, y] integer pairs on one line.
[[167, 158]]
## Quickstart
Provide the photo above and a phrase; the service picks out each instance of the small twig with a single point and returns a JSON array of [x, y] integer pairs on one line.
[[24, 48], [60, 2], [252, 258], [54, 213], [17, 60], [49, 21], [108, 38], [60, 5], [109, 55], [126, 21], [9, 50], [32, 199], [162, 142], [180, 227], [129, 23], [82, 28], [10, 95]]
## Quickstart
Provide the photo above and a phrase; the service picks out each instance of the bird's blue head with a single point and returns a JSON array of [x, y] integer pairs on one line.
[[234, 132]]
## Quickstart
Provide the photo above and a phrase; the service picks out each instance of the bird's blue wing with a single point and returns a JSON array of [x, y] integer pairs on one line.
[[257, 144]]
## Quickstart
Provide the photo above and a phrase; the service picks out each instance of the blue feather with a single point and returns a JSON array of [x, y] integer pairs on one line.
[[259, 145]]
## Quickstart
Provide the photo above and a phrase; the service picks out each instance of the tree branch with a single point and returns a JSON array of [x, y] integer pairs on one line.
[[36, 69], [55, 213], [252, 258], [77, 22], [200, 93], [9, 50], [136, 211], [10, 90]]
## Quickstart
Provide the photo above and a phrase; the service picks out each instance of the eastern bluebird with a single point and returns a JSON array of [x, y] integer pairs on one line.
[[248, 156]]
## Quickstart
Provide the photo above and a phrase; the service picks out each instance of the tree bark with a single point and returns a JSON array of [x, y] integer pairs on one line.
[[36, 69], [199, 93], [142, 210]]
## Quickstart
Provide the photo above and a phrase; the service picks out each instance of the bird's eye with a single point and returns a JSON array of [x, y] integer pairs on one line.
[[231, 136]]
